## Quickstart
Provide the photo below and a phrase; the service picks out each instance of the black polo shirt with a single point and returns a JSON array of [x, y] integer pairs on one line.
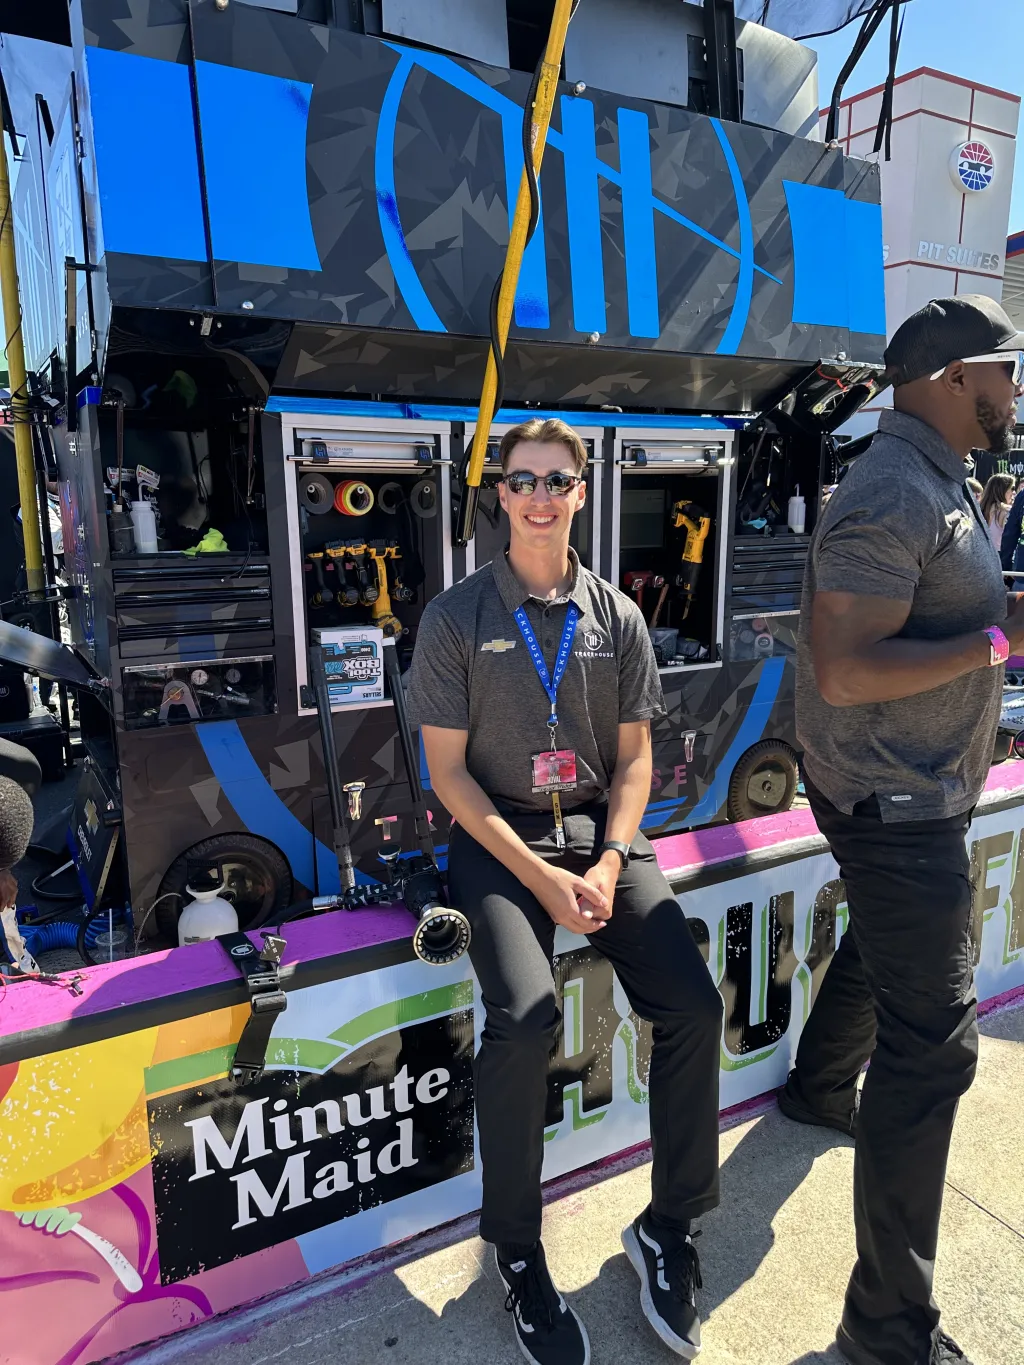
[[901, 525], [471, 671]]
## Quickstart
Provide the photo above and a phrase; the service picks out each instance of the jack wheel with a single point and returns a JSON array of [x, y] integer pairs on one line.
[[259, 880], [764, 781]]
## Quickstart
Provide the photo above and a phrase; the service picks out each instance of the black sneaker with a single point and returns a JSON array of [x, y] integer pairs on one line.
[[669, 1271], [945, 1351], [794, 1108], [547, 1329]]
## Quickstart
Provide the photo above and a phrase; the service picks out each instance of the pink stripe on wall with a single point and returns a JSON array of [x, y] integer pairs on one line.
[[31, 1005]]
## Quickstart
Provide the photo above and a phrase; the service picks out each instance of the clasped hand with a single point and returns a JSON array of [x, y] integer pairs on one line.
[[582, 904]]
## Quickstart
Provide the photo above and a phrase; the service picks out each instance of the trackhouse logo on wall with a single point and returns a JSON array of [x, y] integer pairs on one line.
[[240, 1169]]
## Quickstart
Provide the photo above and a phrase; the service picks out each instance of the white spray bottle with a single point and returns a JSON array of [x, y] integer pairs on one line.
[[797, 515], [208, 915]]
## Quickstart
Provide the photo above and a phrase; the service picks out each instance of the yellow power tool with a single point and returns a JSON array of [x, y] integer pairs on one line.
[[697, 524], [379, 552]]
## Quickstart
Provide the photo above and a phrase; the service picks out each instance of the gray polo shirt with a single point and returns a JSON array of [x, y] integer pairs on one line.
[[471, 671], [902, 525]]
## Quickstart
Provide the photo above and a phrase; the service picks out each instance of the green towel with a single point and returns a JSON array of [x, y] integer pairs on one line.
[[212, 542]]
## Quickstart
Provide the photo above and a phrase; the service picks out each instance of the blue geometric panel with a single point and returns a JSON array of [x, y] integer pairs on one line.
[[837, 259], [254, 156], [146, 160]]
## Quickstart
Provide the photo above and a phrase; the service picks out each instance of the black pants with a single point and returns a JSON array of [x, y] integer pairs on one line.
[[899, 990], [659, 965]]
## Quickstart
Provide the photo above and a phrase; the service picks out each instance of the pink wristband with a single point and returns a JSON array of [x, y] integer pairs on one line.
[[999, 646]]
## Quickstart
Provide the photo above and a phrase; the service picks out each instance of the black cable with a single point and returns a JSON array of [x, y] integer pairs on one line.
[[883, 132], [64, 897], [53, 917], [867, 31], [83, 951]]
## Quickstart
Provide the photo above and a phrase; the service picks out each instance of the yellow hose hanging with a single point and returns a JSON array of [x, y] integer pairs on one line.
[[547, 88], [20, 414]]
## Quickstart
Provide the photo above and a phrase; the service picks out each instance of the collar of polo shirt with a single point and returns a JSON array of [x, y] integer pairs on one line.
[[513, 594], [925, 439]]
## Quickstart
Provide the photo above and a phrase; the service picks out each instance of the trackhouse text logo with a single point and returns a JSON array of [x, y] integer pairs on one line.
[[594, 646]]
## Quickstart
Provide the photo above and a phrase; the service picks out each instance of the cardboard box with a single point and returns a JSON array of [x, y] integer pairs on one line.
[[354, 663]]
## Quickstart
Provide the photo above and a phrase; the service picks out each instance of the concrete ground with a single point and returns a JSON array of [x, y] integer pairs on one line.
[[775, 1259]]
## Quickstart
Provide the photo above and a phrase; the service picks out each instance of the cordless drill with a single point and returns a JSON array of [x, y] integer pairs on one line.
[[372, 579], [380, 613], [697, 524]]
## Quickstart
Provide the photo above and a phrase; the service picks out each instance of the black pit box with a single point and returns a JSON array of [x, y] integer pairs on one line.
[[44, 737]]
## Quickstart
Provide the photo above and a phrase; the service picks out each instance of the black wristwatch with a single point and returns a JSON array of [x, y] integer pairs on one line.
[[618, 847]]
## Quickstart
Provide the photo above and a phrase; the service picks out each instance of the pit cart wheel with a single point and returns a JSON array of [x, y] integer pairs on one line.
[[763, 781], [259, 880]]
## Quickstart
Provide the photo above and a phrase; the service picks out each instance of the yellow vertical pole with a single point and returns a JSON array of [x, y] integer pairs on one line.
[[547, 88], [19, 389]]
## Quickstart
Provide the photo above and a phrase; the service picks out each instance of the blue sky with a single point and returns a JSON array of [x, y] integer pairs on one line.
[[981, 40]]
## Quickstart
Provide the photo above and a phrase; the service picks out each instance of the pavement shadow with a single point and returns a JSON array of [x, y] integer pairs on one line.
[[760, 1174], [388, 1324], [1007, 1024]]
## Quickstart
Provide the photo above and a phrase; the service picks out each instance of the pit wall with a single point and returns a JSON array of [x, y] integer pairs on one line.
[[144, 1191]]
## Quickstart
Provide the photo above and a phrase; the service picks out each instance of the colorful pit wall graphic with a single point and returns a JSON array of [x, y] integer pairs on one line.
[[141, 1191]]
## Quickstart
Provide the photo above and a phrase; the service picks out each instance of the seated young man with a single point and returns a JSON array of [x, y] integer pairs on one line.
[[534, 683]]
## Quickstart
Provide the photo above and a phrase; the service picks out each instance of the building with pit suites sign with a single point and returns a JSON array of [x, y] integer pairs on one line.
[[945, 190]]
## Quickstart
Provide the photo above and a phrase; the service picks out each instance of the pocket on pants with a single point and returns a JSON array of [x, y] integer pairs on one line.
[[915, 932]]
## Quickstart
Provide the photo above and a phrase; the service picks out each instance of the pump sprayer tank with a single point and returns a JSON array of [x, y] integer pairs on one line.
[[207, 916]]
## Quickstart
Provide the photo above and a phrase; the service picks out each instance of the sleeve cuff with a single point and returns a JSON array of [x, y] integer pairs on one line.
[[442, 722], [642, 713]]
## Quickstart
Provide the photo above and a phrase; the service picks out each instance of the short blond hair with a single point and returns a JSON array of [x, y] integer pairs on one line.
[[548, 431]]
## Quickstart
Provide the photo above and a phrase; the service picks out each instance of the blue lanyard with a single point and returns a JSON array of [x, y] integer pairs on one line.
[[550, 684]]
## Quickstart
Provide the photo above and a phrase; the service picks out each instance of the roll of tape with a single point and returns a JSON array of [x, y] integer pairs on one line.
[[316, 493], [390, 497], [423, 498], [353, 498]]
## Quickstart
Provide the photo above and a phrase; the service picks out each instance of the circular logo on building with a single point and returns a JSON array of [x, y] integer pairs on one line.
[[972, 167]]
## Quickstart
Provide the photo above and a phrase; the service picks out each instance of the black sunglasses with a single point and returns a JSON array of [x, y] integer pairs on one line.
[[558, 485]]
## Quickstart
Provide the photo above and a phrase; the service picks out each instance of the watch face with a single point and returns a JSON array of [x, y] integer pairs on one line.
[[199, 676]]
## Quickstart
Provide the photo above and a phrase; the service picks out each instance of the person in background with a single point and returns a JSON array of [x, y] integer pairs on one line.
[[16, 819], [905, 627], [975, 488], [1011, 551], [995, 505]]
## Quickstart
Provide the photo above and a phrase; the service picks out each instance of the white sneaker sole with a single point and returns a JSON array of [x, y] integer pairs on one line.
[[632, 1248], [527, 1353]]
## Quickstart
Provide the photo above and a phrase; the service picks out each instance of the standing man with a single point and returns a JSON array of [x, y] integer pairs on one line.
[[534, 683], [903, 636]]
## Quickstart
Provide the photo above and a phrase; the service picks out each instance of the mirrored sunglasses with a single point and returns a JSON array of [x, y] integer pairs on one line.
[[558, 485]]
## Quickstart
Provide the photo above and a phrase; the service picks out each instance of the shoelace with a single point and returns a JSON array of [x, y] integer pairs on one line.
[[682, 1269], [946, 1351], [527, 1293]]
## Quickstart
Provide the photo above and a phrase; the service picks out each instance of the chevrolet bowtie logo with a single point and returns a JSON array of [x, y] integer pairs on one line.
[[497, 646]]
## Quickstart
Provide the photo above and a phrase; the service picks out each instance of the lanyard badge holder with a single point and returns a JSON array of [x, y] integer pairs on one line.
[[554, 770]]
